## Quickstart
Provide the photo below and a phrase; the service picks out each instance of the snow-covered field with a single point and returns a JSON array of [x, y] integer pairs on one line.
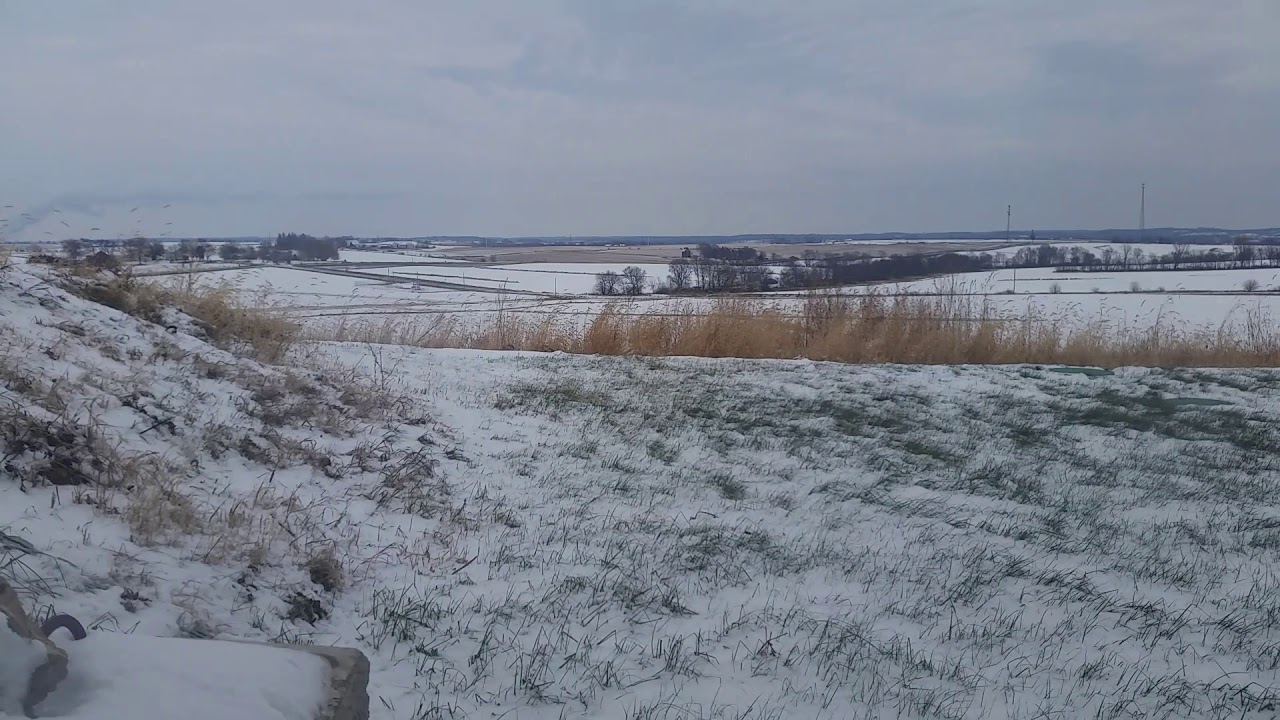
[[556, 279], [382, 256], [1098, 248], [548, 536], [1044, 280], [1190, 297]]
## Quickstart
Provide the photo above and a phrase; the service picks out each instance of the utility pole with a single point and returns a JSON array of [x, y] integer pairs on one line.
[[1142, 215], [1008, 228]]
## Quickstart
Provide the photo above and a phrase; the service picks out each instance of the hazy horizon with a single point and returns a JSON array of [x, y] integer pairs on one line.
[[557, 118]]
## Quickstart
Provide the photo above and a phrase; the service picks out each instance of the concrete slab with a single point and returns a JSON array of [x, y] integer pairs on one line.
[[348, 679]]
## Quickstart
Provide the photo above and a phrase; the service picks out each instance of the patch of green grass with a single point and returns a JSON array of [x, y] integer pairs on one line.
[[664, 453], [618, 463], [1177, 418], [730, 487], [1107, 416], [552, 398], [1025, 433], [925, 450], [583, 449], [1018, 482], [892, 421], [1203, 378]]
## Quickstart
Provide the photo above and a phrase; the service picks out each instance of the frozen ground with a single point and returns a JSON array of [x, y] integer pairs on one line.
[[547, 536]]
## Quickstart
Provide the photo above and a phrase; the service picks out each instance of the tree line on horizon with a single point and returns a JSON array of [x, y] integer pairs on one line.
[[719, 269], [286, 247]]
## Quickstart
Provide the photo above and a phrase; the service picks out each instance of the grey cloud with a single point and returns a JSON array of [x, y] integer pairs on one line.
[[556, 117]]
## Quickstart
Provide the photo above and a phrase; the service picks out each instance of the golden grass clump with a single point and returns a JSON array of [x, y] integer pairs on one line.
[[945, 329], [227, 320]]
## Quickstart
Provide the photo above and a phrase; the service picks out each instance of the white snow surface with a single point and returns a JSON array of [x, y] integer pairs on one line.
[[1043, 280], [18, 658], [112, 676], [551, 278], [550, 536], [1150, 250], [1194, 297]]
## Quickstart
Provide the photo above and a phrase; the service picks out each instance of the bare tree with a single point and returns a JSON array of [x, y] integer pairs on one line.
[[607, 283], [1244, 251], [756, 277], [1109, 258], [1272, 254], [633, 279], [679, 274], [139, 248], [73, 248], [793, 275], [702, 269], [1180, 252]]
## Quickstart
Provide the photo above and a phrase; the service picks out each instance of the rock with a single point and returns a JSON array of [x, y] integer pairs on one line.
[[348, 679], [54, 670]]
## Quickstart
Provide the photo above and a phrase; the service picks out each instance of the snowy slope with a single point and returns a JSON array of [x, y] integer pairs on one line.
[[164, 481], [684, 538]]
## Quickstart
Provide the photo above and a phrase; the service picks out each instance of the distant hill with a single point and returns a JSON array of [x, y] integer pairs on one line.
[[1210, 236], [1151, 235]]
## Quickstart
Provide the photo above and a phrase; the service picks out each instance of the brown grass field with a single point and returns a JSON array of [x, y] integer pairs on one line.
[[935, 330]]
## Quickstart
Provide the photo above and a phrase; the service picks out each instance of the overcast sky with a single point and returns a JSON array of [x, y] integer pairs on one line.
[[559, 117]]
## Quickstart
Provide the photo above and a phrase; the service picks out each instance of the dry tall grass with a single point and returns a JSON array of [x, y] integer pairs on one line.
[[221, 312], [945, 329], [228, 320]]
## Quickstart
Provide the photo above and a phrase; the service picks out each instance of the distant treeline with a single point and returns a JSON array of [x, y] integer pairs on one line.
[[287, 247], [1126, 258], [720, 269]]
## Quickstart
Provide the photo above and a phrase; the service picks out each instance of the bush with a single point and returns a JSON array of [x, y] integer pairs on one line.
[[1251, 285], [1055, 288], [1135, 286]]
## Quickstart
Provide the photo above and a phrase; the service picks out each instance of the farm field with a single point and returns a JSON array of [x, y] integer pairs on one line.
[[475, 293], [1097, 248], [650, 254]]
